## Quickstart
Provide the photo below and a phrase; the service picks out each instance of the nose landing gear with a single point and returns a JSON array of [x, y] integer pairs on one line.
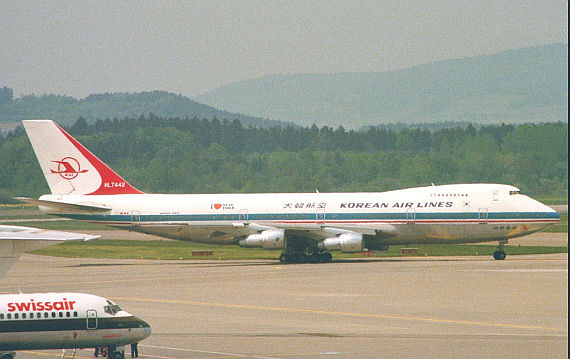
[[500, 253]]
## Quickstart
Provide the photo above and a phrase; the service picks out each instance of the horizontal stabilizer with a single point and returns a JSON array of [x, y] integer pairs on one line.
[[65, 207]]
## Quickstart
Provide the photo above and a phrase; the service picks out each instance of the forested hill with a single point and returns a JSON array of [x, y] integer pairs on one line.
[[66, 110], [200, 156], [524, 85]]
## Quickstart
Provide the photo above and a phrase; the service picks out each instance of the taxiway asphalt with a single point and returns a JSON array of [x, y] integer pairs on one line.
[[434, 307]]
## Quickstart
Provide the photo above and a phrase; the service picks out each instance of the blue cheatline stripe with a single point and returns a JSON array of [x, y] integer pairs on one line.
[[252, 217], [66, 324]]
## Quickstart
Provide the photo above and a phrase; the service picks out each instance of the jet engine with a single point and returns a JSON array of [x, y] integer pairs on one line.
[[268, 239], [348, 242]]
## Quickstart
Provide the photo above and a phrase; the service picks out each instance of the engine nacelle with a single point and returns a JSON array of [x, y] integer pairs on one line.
[[348, 242], [268, 239]]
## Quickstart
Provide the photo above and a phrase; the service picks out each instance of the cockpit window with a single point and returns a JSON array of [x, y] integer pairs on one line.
[[513, 192], [112, 308]]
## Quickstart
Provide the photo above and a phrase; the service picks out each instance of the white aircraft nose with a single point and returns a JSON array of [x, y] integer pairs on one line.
[[146, 330], [549, 215], [552, 213]]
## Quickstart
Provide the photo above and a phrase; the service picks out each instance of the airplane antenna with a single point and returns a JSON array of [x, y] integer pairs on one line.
[[20, 290], [317, 190], [432, 184]]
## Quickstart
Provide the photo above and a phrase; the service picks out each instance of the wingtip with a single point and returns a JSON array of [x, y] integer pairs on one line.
[[91, 237]]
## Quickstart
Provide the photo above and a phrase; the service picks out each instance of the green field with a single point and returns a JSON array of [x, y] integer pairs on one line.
[[178, 250], [552, 200]]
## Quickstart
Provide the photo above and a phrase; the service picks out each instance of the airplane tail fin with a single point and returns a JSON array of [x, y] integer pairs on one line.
[[70, 168]]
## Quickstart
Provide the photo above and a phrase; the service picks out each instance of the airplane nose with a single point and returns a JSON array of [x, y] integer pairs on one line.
[[551, 212], [549, 215], [146, 330]]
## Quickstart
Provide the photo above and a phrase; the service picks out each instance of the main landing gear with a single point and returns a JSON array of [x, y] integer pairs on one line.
[[303, 250], [500, 253], [302, 257]]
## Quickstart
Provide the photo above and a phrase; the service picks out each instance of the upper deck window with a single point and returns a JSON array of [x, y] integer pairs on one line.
[[513, 192]]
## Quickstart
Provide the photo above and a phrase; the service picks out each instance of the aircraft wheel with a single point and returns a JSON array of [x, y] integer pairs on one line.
[[298, 257], [283, 258], [315, 257], [499, 255], [326, 257]]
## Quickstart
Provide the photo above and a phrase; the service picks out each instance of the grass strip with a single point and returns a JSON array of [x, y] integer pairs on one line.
[[179, 250]]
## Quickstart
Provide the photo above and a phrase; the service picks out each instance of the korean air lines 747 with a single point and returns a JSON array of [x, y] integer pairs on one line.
[[304, 226]]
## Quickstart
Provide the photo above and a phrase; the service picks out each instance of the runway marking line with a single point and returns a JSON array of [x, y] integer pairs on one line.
[[346, 314], [126, 280], [537, 270], [208, 352]]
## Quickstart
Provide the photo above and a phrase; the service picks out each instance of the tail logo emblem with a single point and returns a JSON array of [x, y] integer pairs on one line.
[[68, 168]]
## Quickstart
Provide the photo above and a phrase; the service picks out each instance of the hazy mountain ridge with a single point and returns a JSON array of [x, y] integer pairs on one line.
[[523, 85], [66, 110]]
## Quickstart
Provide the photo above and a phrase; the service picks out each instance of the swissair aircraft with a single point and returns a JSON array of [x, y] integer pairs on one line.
[[57, 320], [305, 226], [65, 320]]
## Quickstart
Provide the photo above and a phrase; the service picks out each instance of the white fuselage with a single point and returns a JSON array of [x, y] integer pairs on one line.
[[461, 213], [65, 320]]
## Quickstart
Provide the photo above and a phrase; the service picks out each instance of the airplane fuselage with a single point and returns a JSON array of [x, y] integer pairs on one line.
[[460, 213], [65, 320]]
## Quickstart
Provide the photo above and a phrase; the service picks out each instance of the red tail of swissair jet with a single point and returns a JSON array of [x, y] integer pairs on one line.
[[304, 226]]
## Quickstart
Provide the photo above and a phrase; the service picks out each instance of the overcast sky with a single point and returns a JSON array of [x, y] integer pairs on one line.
[[78, 48]]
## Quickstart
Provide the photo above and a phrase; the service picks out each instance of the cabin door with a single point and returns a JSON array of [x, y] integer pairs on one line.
[[411, 215], [135, 218], [320, 216], [243, 215], [483, 215], [91, 319]]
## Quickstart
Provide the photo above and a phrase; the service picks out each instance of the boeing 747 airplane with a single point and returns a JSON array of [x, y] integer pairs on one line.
[[304, 226]]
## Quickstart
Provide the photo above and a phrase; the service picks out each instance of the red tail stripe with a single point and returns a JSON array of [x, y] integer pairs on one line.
[[111, 182]]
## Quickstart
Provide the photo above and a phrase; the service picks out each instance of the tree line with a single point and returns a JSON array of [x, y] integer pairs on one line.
[[175, 155]]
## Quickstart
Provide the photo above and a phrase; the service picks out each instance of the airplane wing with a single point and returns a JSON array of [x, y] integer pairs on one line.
[[378, 229], [16, 240], [66, 207]]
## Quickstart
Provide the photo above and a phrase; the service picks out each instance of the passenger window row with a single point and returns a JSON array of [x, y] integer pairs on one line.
[[448, 195], [43, 315]]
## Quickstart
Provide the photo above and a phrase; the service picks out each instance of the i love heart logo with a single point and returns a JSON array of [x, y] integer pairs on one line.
[[217, 205]]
